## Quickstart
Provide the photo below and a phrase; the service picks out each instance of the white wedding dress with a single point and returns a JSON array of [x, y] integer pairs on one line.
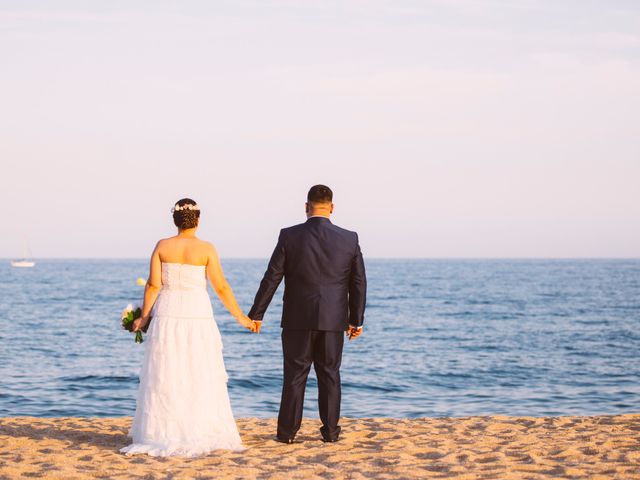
[[182, 404]]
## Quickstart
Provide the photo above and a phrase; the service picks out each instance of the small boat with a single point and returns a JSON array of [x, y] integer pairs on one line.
[[25, 261]]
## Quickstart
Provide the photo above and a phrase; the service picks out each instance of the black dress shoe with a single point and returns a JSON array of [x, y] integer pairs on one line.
[[329, 440], [286, 440]]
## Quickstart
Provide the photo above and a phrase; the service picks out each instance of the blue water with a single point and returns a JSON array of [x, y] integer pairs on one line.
[[442, 338]]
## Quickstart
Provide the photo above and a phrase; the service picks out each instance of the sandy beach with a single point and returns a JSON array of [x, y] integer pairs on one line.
[[596, 447]]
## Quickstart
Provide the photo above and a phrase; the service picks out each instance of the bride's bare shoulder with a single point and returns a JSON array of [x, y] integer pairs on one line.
[[207, 248], [164, 243], [208, 245]]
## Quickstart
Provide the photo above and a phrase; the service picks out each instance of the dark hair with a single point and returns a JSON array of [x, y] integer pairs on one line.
[[186, 218], [320, 194]]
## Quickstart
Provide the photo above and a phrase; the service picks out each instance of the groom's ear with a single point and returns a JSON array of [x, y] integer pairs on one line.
[[306, 207]]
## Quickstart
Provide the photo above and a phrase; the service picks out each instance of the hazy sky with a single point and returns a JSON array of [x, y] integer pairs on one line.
[[447, 128]]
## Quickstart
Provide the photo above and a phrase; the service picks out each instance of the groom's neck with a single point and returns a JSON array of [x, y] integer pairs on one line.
[[318, 213], [319, 210]]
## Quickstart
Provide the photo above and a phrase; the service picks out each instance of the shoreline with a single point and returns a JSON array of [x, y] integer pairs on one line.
[[603, 446]]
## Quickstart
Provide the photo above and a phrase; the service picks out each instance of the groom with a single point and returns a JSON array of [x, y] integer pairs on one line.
[[324, 297]]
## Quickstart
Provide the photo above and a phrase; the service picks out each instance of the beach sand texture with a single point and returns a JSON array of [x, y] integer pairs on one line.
[[596, 447]]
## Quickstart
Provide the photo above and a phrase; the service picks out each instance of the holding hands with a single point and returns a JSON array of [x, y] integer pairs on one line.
[[249, 324], [254, 326]]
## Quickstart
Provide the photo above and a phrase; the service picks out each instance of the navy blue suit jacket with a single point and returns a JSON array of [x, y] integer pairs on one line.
[[324, 276]]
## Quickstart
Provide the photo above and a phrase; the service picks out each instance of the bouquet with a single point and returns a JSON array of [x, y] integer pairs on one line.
[[129, 315]]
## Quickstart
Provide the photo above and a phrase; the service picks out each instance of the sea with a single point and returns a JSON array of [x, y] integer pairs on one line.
[[442, 338]]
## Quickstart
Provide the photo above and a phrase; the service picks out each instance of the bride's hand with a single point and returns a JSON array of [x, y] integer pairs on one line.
[[139, 324], [247, 323]]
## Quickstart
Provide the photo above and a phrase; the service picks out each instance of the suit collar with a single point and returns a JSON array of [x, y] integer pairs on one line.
[[318, 219]]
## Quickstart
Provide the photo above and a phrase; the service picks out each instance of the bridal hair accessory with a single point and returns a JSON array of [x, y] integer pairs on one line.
[[187, 206]]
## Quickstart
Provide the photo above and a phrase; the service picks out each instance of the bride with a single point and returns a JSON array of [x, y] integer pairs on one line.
[[182, 404]]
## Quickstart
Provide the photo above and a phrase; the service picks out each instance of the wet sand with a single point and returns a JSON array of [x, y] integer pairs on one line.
[[600, 447]]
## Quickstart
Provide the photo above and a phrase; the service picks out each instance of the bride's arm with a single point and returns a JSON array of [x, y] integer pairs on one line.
[[151, 289], [223, 290]]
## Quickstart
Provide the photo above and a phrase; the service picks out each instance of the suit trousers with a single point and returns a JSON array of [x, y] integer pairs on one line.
[[300, 349]]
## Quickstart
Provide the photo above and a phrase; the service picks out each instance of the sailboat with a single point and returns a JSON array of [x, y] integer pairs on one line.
[[25, 261]]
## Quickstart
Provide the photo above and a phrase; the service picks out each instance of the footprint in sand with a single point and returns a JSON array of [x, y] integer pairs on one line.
[[431, 455], [440, 468]]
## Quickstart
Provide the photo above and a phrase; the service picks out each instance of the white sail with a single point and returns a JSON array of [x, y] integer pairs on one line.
[[25, 261]]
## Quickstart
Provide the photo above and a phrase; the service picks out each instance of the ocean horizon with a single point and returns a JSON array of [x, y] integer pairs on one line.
[[443, 337]]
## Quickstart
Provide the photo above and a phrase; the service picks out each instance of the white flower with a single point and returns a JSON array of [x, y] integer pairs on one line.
[[186, 206], [127, 309]]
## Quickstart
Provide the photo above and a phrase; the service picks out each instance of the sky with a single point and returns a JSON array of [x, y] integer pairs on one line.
[[446, 128]]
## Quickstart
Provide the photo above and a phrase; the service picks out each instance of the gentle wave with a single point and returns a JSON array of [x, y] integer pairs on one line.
[[442, 338]]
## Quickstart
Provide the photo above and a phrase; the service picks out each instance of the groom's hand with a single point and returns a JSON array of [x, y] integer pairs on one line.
[[354, 332], [258, 324]]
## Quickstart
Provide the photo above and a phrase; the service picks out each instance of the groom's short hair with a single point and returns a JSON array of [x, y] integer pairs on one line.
[[320, 194]]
